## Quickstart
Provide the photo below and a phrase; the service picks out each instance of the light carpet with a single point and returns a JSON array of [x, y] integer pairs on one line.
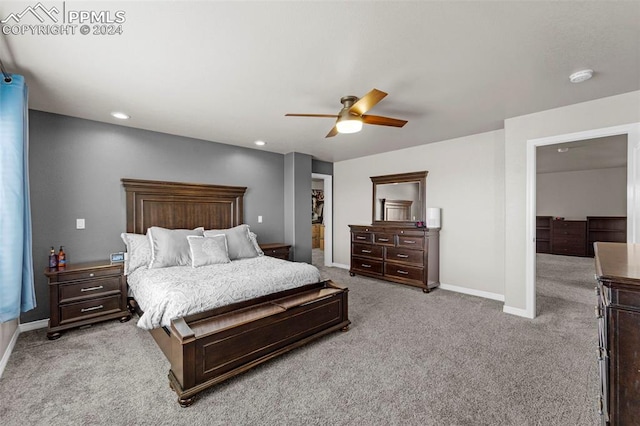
[[409, 358]]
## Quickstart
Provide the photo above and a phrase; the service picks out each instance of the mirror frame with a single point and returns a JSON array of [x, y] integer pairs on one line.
[[420, 177]]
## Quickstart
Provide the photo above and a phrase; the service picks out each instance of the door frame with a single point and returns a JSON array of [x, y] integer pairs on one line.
[[633, 194], [327, 215]]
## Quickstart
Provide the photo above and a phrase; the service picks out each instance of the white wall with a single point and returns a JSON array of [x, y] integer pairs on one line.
[[606, 112], [578, 194], [466, 180], [7, 331]]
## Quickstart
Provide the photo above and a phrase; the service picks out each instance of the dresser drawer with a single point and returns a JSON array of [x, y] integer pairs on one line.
[[561, 227], [362, 237], [402, 271], [89, 288], [385, 239], [366, 265], [89, 308], [366, 250], [401, 254], [86, 274], [411, 242]]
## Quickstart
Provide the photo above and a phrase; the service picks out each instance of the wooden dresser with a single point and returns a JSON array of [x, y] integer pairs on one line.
[[399, 254], [618, 313], [569, 237], [86, 293]]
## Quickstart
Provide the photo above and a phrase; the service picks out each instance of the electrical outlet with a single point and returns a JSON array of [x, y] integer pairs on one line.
[[259, 219], [79, 223]]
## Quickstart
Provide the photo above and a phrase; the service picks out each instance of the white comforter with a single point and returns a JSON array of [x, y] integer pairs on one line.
[[167, 293]]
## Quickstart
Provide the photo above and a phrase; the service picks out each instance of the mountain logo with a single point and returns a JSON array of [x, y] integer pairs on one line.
[[38, 11]]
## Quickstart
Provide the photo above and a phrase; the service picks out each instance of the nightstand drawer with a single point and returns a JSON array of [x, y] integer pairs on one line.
[[89, 308], [89, 288], [63, 276]]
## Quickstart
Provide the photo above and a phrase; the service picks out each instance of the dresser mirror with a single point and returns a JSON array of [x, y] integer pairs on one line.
[[399, 199]]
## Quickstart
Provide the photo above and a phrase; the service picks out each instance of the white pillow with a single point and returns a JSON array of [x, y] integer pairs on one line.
[[169, 247], [239, 243], [138, 252], [254, 240], [208, 250]]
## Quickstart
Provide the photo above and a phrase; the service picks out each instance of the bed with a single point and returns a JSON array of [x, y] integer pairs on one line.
[[209, 347]]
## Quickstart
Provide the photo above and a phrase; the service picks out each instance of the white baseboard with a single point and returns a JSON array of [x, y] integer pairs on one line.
[[7, 353], [517, 311], [340, 265], [472, 292], [33, 325]]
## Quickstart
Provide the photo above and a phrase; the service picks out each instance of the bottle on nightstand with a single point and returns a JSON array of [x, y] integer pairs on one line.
[[53, 259], [62, 258]]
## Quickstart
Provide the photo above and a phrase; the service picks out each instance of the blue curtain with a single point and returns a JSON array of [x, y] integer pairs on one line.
[[16, 259]]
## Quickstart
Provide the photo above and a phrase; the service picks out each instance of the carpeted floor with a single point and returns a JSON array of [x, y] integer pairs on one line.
[[409, 359]]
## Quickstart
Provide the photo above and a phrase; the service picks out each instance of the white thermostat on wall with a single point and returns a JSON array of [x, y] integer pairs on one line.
[[117, 257]]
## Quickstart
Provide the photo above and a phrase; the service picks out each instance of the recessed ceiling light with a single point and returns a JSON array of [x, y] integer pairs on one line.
[[120, 115], [563, 149], [580, 76], [260, 143]]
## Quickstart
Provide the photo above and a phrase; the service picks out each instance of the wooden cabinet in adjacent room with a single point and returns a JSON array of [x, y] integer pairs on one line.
[[611, 229], [402, 255], [317, 236], [569, 237], [618, 313], [543, 234]]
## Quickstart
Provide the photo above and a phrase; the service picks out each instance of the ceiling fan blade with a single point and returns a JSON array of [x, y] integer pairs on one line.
[[332, 133], [383, 121], [312, 115], [367, 102]]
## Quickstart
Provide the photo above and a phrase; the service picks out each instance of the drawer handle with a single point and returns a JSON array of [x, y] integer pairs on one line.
[[409, 242], [361, 238], [384, 240], [92, 288], [93, 308], [404, 256], [364, 265], [91, 274], [366, 251], [400, 271]]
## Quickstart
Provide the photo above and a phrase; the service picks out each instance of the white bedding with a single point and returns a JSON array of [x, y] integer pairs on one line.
[[167, 293]]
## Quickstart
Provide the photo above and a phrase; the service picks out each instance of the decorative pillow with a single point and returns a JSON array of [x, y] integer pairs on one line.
[[208, 250], [239, 243], [169, 247], [254, 240], [138, 252]]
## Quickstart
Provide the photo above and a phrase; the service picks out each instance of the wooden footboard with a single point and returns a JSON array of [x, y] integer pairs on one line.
[[213, 346]]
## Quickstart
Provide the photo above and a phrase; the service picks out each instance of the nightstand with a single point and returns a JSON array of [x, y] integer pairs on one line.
[[279, 250], [86, 293]]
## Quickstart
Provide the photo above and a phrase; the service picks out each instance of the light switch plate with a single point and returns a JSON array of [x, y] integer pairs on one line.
[[79, 223]]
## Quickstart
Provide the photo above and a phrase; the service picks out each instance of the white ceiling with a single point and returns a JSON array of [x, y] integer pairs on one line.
[[229, 71], [589, 154]]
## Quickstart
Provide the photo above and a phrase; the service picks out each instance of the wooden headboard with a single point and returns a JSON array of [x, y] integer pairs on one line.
[[177, 205]]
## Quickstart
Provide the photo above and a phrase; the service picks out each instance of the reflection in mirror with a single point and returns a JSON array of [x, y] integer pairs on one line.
[[399, 199]]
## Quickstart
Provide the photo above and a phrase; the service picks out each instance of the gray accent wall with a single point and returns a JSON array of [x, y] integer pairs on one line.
[[297, 196], [75, 171], [321, 167]]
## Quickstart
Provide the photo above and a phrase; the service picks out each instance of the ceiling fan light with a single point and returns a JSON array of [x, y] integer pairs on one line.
[[349, 124]]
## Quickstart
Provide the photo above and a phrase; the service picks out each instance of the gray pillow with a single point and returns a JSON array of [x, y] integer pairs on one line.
[[138, 251], [169, 247], [239, 242], [208, 250]]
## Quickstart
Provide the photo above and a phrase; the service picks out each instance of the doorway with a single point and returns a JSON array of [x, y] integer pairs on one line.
[[632, 132], [322, 219]]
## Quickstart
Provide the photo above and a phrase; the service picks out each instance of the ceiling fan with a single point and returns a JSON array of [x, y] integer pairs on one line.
[[352, 115]]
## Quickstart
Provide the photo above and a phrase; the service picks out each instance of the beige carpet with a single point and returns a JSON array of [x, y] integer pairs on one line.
[[409, 359]]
